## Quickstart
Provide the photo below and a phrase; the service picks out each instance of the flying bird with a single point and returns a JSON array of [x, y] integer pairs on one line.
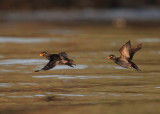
[[127, 53], [56, 59]]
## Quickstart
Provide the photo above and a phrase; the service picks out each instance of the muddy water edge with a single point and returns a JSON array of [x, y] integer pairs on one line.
[[96, 85]]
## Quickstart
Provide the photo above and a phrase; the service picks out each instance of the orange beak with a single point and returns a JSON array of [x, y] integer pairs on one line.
[[109, 57], [41, 54]]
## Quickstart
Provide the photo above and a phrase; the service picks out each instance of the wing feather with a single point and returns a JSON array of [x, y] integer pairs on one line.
[[135, 49], [49, 65], [63, 54], [125, 54]]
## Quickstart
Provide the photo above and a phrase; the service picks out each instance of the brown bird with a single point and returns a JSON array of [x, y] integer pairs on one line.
[[56, 59], [127, 54]]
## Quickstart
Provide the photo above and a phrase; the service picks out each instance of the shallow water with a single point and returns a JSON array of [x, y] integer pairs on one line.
[[96, 84]]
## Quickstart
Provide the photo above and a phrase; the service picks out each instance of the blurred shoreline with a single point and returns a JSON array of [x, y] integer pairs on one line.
[[88, 15]]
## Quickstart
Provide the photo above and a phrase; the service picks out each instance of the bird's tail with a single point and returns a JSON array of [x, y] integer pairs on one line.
[[71, 63], [135, 66]]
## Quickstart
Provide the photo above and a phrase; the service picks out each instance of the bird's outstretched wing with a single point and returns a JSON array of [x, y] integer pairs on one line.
[[64, 57], [63, 54], [135, 49], [49, 65], [125, 54]]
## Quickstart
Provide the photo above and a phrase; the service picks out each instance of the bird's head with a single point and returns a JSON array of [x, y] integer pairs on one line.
[[43, 53], [113, 57]]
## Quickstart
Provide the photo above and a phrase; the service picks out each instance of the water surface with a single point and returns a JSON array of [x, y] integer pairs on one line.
[[96, 84]]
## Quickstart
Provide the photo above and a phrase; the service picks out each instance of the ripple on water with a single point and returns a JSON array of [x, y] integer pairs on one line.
[[62, 31], [138, 86], [12, 84], [27, 40], [77, 95], [5, 84], [110, 67], [1, 56], [59, 67], [148, 40], [49, 76], [22, 61], [154, 52], [67, 77], [118, 67], [20, 83], [136, 95], [23, 96], [2, 94], [107, 52], [71, 95], [42, 95], [38, 62], [4, 70], [84, 77], [27, 96], [103, 66], [114, 94]]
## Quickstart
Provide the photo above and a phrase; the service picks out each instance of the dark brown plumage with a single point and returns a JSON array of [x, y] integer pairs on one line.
[[55, 59], [127, 54]]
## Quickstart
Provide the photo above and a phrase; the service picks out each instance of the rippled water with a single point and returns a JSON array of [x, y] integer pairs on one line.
[[22, 61], [148, 40], [96, 84], [85, 77], [5, 84], [27, 40]]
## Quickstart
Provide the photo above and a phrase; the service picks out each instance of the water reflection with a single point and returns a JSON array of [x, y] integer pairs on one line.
[[155, 52], [37, 62], [114, 94], [22, 61], [110, 67], [71, 95], [136, 95], [4, 70], [20, 83], [27, 40], [84, 77], [1, 56], [23, 96], [118, 67], [5, 84], [149, 40], [59, 67], [62, 31], [138, 86], [2, 94]]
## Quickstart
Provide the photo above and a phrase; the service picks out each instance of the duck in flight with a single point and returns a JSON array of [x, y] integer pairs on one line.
[[127, 53], [56, 59]]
